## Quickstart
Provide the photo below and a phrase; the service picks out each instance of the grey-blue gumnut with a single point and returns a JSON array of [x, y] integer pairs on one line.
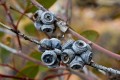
[[87, 56], [77, 63], [68, 44], [56, 43], [67, 56], [49, 57], [79, 46], [45, 43], [47, 28], [47, 17]]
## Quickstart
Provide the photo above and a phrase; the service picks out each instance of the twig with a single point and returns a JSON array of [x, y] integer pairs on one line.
[[20, 34], [12, 22], [19, 53], [55, 75], [69, 11], [80, 75], [13, 68], [39, 6], [107, 70], [14, 77], [95, 46], [22, 13]]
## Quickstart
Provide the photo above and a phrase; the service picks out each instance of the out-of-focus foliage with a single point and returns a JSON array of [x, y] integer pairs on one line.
[[97, 20], [29, 71], [91, 35]]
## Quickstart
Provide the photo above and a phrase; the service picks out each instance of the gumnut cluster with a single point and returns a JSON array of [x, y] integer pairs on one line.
[[46, 21], [75, 54]]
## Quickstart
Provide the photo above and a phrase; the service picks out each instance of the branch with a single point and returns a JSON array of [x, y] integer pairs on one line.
[[107, 70], [30, 17], [39, 6], [13, 68], [55, 75], [20, 34], [11, 21], [14, 77], [19, 53], [95, 46]]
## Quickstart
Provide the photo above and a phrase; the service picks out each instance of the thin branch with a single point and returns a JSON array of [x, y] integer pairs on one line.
[[39, 6], [20, 34], [95, 46], [12, 22], [13, 68], [14, 77], [19, 53], [80, 75], [69, 11], [55, 75], [30, 17], [107, 70]]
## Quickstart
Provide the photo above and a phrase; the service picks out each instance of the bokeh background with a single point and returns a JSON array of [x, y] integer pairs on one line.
[[97, 20]]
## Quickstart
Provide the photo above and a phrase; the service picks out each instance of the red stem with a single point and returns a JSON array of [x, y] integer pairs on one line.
[[21, 13], [13, 68], [95, 46], [12, 22], [14, 77], [53, 76]]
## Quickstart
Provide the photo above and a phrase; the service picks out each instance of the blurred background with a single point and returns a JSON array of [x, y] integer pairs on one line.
[[97, 20]]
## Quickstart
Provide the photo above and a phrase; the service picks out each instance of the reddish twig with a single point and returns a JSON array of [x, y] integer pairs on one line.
[[19, 53], [68, 77], [14, 77], [11, 21], [69, 11], [21, 13], [13, 68], [55, 75]]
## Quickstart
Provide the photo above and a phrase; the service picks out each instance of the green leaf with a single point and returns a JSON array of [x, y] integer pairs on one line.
[[46, 3], [91, 35], [36, 55], [4, 55], [43, 68], [30, 29], [29, 71], [1, 34]]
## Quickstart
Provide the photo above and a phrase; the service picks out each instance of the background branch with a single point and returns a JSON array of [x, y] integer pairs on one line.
[[19, 53], [11, 21]]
